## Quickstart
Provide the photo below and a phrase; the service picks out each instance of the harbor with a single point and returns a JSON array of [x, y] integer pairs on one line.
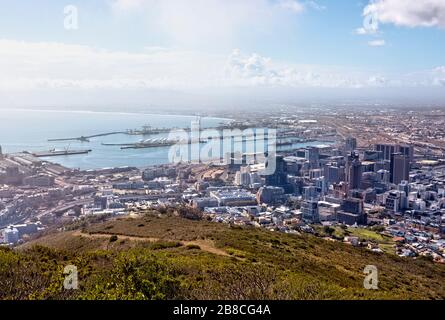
[[102, 140]]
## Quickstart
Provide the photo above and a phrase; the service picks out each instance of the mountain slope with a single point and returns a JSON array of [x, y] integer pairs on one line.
[[167, 257]]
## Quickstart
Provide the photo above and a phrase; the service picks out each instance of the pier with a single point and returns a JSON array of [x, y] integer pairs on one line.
[[87, 138], [54, 153]]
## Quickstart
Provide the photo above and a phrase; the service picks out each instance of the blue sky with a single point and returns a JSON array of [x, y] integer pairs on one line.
[[206, 45]]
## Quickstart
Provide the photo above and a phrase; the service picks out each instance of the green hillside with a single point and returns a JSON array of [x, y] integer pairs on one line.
[[168, 257]]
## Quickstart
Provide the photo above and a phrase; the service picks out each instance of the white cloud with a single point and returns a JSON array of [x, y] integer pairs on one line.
[[440, 69], [216, 24], [292, 5], [37, 64], [57, 67], [377, 81], [438, 75], [365, 31], [408, 13], [377, 43], [208, 23], [314, 5], [361, 31]]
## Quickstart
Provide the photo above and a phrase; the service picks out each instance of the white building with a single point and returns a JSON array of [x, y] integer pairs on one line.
[[11, 235]]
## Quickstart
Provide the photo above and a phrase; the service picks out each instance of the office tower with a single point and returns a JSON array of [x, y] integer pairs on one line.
[[242, 177], [395, 201], [407, 150], [404, 186], [271, 195], [322, 185], [355, 174], [400, 166], [333, 174], [312, 154], [386, 149], [389, 149], [352, 212], [310, 193], [279, 177], [309, 210], [351, 144], [368, 180], [368, 166], [372, 155], [352, 205]]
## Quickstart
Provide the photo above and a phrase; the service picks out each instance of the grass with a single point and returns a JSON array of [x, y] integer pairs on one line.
[[287, 266], [385, 243]]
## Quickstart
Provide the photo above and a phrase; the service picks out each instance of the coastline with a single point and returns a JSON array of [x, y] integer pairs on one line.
[[131, 113]]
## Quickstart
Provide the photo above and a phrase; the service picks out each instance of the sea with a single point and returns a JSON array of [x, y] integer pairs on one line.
[[30, 129]]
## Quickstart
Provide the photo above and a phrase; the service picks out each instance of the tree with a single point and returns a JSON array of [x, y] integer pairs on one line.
[[328, 230]]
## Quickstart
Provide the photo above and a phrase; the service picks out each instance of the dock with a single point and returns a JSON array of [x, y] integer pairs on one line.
[[55, 153], [87, 138]]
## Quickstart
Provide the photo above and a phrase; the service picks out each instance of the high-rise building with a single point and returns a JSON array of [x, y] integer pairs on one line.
[[400, 167], [407, 150], [333, 174], [395, 201], [371, 155], [389, 149], [242, 177], [353, 170], [351, 144], [312, 154], [352, 205], [279, 177], [352, 212], [404, 186], [309, 210], [271, 195], [310, 193]]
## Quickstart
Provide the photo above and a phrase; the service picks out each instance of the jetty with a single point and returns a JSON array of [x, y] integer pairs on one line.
[[56, 153], [87, 138]]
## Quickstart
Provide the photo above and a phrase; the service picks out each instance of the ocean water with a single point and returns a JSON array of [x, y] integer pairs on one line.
[[29, 130]]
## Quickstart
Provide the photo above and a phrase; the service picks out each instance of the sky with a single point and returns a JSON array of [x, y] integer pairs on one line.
[[216, 52]]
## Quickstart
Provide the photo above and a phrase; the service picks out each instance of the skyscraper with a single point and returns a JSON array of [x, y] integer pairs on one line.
[[242, 177], [354, 171], [312, 154], [389, 149], [355, 174], [400, 166], [279, 177], [351, 144]]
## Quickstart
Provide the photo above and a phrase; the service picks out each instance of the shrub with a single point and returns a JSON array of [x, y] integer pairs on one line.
[[193, 247]]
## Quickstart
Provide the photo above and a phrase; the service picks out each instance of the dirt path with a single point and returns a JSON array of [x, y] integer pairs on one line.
[[205, 245]]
